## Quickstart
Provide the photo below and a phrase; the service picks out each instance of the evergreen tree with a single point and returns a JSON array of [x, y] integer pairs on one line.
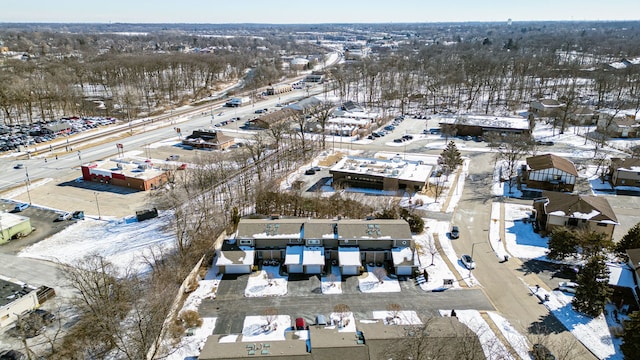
[[450, 158], [593, 242], [562, 243], [594, 290], [631, 339], [630, 241]]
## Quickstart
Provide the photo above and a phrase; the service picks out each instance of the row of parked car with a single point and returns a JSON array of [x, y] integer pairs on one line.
[[14, 136]]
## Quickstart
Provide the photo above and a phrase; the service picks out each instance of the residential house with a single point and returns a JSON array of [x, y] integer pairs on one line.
[[621, 125], [443, 337], [309, 245], [549, 172], [634, 263], [625, 172], [208, 139], [583, 116], [267, 120], [588, 212], [546, 107]]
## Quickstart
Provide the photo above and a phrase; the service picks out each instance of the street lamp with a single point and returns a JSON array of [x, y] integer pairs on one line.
[[27, 182], [97, 205]]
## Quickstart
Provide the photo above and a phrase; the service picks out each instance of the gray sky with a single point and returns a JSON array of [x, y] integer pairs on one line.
[[319, 11]]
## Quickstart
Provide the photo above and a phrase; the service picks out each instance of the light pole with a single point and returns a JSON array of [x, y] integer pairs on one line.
[[97, 205], [27, 182]]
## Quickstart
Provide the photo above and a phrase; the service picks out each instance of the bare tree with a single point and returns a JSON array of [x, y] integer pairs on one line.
[[270, 315], [342, 311], [394, 310], [512, 149]]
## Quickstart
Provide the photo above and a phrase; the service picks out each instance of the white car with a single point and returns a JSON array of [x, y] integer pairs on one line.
[[468, 262], [64, 216], [568, 286]]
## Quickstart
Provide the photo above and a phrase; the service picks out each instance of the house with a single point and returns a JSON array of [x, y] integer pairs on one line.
[[267, 120], [314, 77], [395, 174], [588, 212], [546, 107], [137, 175], [309, 245], [443, 337], [621, 125], [480, 125], [634, 263], [16, 298], [583, 116], [549, 172], [624, 172], [208, 139], [279, 89]]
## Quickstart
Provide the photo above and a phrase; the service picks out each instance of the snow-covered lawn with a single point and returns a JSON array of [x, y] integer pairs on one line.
[[124, 245], [332, 284], [402, 317], [521, 241], [369, 282], [266, 282], [439, 271], [491, 345], [348, 322], [517, 341], [442, 228], [256, 328], [207, 289], [190, 346], [593, 333]]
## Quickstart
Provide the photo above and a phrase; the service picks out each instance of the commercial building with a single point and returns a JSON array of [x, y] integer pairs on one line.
[[394, 174], [208, 139], [138, 175], [16, 298], [480, 125], [13, 226]]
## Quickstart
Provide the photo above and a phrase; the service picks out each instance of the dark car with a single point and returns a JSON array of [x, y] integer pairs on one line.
[[455, 232], [540, 352], [310, 172]]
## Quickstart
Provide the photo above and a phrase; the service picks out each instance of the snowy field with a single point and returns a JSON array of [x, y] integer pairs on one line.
[[491, 345], [257, 329], [125, 245], [439, 271], [332, 284], [369, 282], [521, 241], [266, 282]]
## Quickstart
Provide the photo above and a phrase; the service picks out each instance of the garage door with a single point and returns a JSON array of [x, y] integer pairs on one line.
[[314, 269], [237, 269], [295, 269], [350, 270], [403, 270]]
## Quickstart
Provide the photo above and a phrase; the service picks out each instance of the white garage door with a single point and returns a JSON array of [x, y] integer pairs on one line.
[[314, 269], [295, 269], [237, 269]]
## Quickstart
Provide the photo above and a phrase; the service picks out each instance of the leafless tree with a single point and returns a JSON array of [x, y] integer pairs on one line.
[[342, 311], [270, 315]]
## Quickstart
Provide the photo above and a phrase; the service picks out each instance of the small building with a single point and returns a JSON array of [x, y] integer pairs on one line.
[[583, 116], [16, 298], [395, 174], [621, 125], [265, 121], [480, 125], [13, 226], [547, 107], [314, 77], [588, 212], [549, 172], [625, 172], [208, 139], [137, 175], [279, 89]]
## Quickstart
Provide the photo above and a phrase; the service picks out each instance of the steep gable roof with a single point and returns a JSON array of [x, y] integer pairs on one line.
[[548, 161], [625, 163], [595, 208]]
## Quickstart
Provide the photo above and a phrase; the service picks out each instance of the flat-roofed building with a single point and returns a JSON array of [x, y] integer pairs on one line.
[[13, 226], [16, 298], [138, 175]]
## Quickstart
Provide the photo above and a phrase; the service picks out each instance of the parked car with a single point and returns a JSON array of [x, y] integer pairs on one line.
[[435, 131], [455, 232], [408, 137], [389, 127], [321, 320], [301, 324], [78, 215], [310, 171], [568, 286], [20, 207], [18, 166], [399, 140], [468, 262], [64, 216], [541, 352]]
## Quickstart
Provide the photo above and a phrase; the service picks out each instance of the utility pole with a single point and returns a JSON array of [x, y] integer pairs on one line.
[[97, 205], [27, 182]]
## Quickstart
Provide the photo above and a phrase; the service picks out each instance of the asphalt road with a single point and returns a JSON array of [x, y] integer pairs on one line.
[[305, 299], [505, 283]]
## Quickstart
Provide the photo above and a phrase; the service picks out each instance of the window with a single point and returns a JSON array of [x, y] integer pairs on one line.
[[313, 242], [246, 242], [602, 224], [572, 222]]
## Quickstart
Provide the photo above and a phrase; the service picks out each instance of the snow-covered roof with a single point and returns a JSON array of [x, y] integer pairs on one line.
[[489, 122], [397, 167], [313, 255], [349, 256], [620, 275], [293, 255], [402, 256], [243, 256]]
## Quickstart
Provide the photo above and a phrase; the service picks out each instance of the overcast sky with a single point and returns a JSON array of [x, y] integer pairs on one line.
[[316, 11]]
